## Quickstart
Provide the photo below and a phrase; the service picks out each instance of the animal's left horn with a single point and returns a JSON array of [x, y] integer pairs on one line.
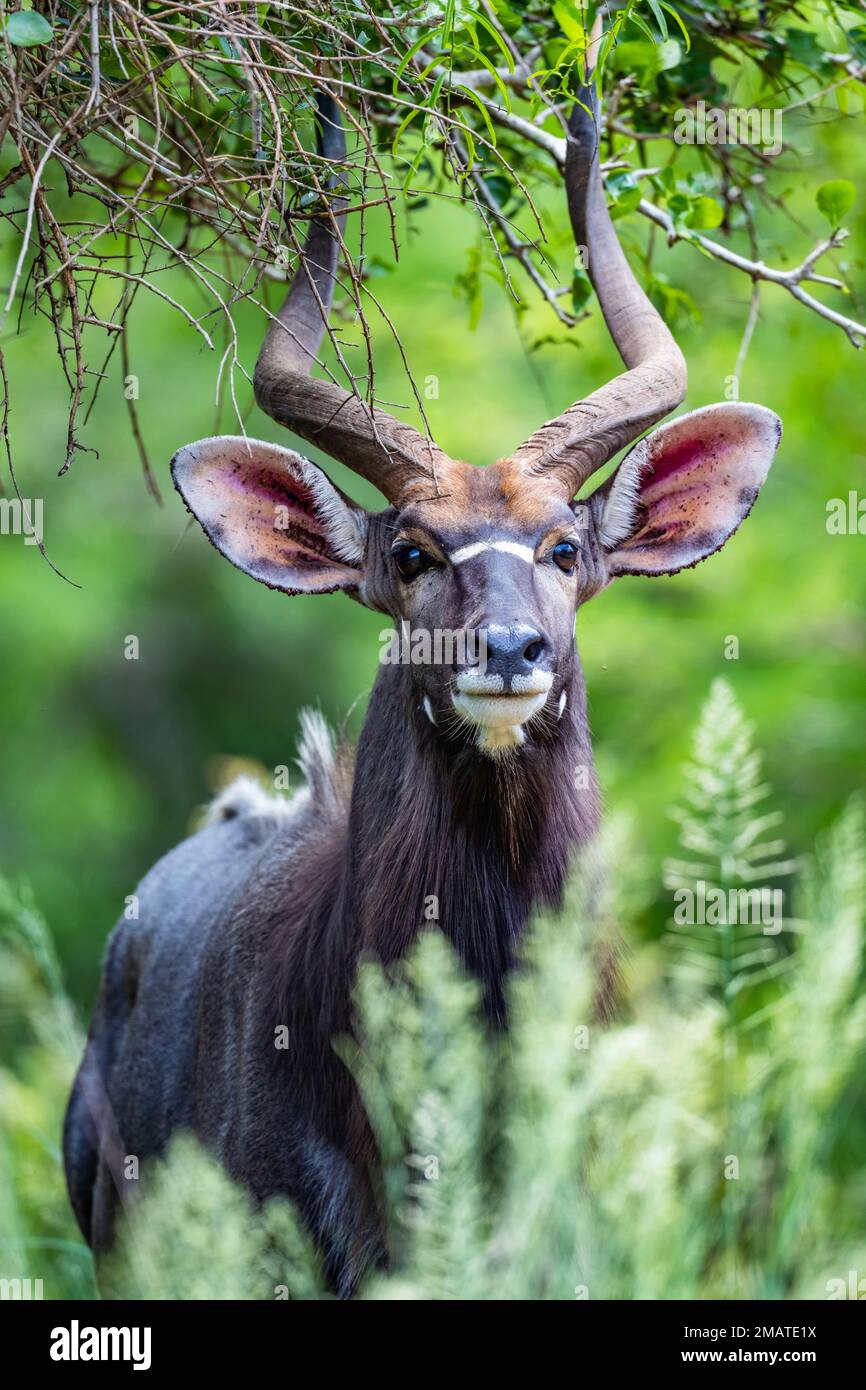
[[591, 431]]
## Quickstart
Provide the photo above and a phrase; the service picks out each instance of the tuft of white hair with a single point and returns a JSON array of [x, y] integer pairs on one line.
[[346, 525], [317, 757], [325, 791], [620, 509], [247, 797]]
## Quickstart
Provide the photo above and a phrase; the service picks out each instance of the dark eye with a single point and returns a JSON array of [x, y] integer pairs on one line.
[[410, 560], [565, 555]]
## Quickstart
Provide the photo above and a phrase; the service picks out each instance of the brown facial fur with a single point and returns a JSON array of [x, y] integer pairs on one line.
[[493, 589]]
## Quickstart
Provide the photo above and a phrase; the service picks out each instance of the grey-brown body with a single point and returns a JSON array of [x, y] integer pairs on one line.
[[255, 924]]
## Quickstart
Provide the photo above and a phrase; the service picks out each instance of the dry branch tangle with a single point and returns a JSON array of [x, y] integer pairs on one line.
[[123, 109]]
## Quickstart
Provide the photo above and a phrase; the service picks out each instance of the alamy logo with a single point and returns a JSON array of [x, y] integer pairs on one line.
[[729, 126], [853, 1287], [846, 516], [708, 906], [441, 646], [76, 1343], [20, 516], [20, 1289]]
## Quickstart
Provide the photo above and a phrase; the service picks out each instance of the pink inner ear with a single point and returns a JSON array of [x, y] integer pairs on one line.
[[699, 477], [288, 499], [275, 485], [674, 460], [258, 511]]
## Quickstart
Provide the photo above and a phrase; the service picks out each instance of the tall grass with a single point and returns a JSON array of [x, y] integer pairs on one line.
[[708, 1143]]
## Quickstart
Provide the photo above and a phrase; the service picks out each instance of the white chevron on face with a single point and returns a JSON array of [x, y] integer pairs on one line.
[[468, 552]]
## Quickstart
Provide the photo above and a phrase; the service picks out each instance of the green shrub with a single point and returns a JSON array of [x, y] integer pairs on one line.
[[704, 1144]]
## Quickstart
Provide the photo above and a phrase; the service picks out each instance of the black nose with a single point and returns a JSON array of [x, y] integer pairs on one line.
[[516, 650]]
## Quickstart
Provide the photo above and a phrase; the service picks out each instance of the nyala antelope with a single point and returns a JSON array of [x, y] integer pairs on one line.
[[463, 784]]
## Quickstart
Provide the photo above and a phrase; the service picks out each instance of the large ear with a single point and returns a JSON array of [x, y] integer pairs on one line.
[[273, 514], [683, 490]]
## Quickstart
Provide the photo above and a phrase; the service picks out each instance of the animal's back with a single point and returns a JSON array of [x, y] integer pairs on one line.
[[178, 1037]]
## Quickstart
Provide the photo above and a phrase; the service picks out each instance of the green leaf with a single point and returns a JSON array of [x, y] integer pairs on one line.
[[581, 289], [569, 23], [498, 40], [835, 198], [426, 37], [802, 47], [749, 83], [666, 180], [624, 188], [625, 203], [641, 24], [678, 204], [648, 58], [620, 181], [473, 96], [402, 127], [448, 22], [658, 15], [412, 170], [704, 214], [668, 55], [503, 90], [672, 12], [26, 29]]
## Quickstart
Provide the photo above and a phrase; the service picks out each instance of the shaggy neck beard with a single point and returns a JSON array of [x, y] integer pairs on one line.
[[442, 835]]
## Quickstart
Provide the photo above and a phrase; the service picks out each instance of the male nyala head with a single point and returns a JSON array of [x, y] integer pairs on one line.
[[500, 557]]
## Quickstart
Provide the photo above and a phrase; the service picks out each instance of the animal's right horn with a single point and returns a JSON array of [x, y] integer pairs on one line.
[[591, 431]]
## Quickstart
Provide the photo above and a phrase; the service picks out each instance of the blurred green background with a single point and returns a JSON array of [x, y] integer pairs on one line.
[[106, 759]]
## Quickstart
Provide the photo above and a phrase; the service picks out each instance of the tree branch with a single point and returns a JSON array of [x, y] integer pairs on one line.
[[790, 280]]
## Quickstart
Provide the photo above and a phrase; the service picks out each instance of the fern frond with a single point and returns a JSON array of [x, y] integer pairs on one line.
[[724, 936]]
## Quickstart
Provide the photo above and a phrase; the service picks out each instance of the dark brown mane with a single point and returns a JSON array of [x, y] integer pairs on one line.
[[487, 841]]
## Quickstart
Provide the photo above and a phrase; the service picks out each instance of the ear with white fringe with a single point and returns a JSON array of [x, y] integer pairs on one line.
[[273, 514], [681, 492]]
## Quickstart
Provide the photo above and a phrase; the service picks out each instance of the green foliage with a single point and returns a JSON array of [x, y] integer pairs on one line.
[[422, 1069], [821, 1034], [196, 1235], [834, 199], [27, 29], [568, 1159], [721, 822], [38, 1235]]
